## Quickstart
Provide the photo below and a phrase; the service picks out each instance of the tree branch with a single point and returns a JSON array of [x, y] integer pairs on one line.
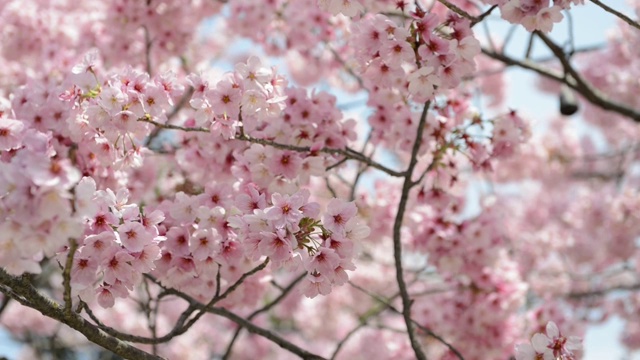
[[474, 19], [397, 225], [176, 109], [66, 275], [387, 305], [592, 95], [602, 292], [457, 10], [22, 291], [615, 12], [183, 324], [251, 327], [583, 87], [347, 152], [267, 334], [346, 67], [284, 292]]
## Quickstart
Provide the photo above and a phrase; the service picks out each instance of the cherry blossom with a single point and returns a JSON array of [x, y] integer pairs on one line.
[[314, 178]]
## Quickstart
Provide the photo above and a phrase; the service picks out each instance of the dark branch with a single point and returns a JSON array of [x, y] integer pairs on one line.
[[397, 244], [602, 292], [347, 152], [66, 275], [19, 289], [267, 307], [617, 13], [387, 305], [251, 327], [593, 95]]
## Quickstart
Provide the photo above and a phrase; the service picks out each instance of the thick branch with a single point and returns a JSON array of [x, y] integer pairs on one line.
[[22, 291], [5, 302], [66, 275]]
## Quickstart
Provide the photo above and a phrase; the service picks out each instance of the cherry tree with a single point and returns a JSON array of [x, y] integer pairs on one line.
[[316, 179]]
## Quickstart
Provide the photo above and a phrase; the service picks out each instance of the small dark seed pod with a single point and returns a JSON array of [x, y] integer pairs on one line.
[[568, 101]]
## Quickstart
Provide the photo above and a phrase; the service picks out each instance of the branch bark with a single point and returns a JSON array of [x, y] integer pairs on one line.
[[617, 13], [19, 289], [574, 80], [397, 244]]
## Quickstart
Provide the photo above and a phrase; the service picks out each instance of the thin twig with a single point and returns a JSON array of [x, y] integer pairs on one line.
[[474, 19], [387, 305], [363, 169], [147, 50], [348, 152], [178, 329], [507, 38], [183, 324], [602, 292], [527, 53], [241, 280], [457, 10], [346, 67], [251, 327], [481, 17], [218, 277], [572, 39], [267, 334], [267, 307], [176, 109], [487, 32]]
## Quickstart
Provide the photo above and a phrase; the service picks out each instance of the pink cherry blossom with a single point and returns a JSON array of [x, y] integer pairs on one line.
[[156, 157], [10, 134]]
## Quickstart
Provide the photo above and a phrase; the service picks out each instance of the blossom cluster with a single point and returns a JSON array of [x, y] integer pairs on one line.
[[254, 101], [235, 188], [120, 245], [100, 130], [36, 183], [432, 54]]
